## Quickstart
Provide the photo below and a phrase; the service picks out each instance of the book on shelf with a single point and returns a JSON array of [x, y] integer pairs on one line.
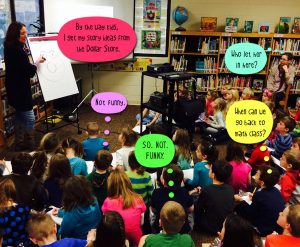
[[208, 24], [180, 64], [264, 27], [231, 24], [205, 83], [208, 45], [248, 26], [258, 85], [284, 24], [296, 87], [207, 65], [178, 44], [286, 45], [296, 25]]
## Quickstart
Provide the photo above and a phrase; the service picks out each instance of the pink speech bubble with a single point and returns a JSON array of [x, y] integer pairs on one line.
[[108, 103], [96, 39]]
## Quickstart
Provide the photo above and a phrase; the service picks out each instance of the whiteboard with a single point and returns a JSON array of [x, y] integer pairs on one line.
[[58, 12], [55, 75]]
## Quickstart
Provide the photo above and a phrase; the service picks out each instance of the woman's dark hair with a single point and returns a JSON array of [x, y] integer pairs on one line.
[[13, 34], [208, 149], [77, 192], [238, 232], [111, 231], [39, 165], [235, 152], [134, 164], [74, 144], [59, 169], [21, 163]]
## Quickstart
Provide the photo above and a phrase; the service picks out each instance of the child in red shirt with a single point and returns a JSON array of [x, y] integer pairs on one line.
[[290, 181], [289, 220], [260, 156]]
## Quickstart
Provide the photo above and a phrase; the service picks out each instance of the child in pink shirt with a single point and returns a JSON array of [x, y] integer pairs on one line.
[[241, 174], [122, 198]]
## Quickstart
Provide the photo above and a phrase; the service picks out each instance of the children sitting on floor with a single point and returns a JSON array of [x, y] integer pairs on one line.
[[172, 218], [284, 140], [216, 201], [42, 231], [127, 139], [241, 174], [73, 151], [266, 202], [236, 232], [172, 177], [98, 178], [93, 143], [80, 212], [260, 156], [289, 220], [290, 181], [181, 140], [206, 152], [296, 144]]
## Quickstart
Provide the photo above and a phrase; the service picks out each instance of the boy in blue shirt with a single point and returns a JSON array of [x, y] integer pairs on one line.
[[42, 231], [93, 143]]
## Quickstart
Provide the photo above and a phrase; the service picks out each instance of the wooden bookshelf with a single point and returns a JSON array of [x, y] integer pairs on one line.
[[202, 54]]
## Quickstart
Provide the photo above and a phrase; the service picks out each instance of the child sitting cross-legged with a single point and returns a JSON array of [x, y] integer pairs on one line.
[[42, 231], [172, 217], [93, 143], [172, 177], [216, 201], [284, 140], [289, 220], [266, 203], [290, 181]]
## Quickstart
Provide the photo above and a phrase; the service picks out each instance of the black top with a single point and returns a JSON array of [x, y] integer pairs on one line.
[[264, 210], [215, 203], [30, 191], [18, 73], [161, 196], [55, 192]]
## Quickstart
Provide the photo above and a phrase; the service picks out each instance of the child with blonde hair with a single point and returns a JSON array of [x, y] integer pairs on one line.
[[247, 94], [93, 143], [172, 217], [42, 231], [122, 199], [224, 89], [217, 122], [182, 142]]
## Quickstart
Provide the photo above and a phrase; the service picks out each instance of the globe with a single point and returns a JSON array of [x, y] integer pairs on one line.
[[180, 16]]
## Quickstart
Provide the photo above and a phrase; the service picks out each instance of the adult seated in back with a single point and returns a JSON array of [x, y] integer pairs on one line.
[[30, 191], [281, 77]]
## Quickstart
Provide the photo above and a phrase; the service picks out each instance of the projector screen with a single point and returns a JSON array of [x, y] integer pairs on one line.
[[58, 12]]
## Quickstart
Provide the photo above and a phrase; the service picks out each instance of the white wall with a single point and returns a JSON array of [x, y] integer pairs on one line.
[[128, 83]]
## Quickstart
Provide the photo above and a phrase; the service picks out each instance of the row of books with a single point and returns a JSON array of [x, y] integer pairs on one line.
[[208, 45], [240, 82], [287, 45], [296, 87], [206, 65], [7, 109], [178, 44], [226, 42], [180, 64], [206, 83], [36, 91]]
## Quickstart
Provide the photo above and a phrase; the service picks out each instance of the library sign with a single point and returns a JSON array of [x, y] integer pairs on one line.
[[96, 39]]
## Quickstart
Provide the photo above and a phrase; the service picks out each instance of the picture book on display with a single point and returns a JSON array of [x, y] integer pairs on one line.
[[296, 25], [284, 24], [264, 27], [231, 25], [248, 26], [208, 24]]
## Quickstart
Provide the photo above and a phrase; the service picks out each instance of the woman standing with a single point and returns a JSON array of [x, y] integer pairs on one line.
[[18, 73]]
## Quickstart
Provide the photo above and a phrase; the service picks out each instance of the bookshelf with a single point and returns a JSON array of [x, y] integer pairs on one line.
[[202, 54], [7, 112]]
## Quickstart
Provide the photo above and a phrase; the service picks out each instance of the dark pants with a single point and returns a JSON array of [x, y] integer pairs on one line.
[[279, 96]]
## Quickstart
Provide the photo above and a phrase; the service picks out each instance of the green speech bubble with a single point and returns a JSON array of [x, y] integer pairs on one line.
[[245, 58], [154, 150]]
